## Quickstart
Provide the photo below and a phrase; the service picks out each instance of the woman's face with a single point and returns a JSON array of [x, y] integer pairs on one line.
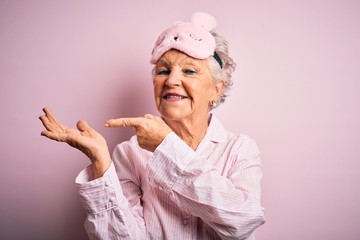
[[184, 87]]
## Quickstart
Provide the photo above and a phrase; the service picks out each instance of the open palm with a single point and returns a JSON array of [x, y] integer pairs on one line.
[[85, 138]]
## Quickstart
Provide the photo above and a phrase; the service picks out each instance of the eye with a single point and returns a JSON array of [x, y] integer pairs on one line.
[[163, 72], [189, 72]]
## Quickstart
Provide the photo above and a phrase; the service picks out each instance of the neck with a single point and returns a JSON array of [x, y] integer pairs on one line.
[[190, 131]]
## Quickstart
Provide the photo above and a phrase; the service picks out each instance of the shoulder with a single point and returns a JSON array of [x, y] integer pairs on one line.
[[238, 141], [245, 145], [240, 145]]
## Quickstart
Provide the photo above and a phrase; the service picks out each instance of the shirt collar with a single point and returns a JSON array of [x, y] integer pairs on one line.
[[216, 131]]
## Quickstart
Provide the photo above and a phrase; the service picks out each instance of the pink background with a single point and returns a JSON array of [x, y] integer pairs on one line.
[[296, 92]]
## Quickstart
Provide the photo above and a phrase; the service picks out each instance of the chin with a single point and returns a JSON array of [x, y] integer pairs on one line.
[[173, 115]]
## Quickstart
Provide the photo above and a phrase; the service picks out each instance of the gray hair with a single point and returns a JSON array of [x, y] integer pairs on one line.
[[224, 73]]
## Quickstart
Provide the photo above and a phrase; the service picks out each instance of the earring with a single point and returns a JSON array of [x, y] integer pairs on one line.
[[213, 104]]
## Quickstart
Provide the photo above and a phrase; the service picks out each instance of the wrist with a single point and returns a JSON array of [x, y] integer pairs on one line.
[[100, 167]]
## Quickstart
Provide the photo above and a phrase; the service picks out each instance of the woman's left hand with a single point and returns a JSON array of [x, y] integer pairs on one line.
[[150, 130]]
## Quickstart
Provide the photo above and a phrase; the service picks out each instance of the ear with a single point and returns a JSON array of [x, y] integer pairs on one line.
[[219, 88]]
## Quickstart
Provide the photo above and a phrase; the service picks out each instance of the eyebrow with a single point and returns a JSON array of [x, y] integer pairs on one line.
[[164, 62], [161, 62], [192, 62]]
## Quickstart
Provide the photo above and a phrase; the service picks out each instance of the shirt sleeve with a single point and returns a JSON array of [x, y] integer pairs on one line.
[[230, 204], [109, 215]]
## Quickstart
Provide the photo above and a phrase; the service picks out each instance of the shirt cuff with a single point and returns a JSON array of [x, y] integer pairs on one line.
[[100, 194], [168, 162]]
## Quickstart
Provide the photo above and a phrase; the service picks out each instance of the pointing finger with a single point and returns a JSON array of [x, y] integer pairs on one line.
[[125, 122]]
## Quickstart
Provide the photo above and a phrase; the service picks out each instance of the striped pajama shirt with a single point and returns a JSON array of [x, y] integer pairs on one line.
[[176, 192]]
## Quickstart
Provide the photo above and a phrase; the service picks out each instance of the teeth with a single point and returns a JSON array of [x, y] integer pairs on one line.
[[174, 97]]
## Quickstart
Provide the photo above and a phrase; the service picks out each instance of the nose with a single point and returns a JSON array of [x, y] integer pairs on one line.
[[174, 78]]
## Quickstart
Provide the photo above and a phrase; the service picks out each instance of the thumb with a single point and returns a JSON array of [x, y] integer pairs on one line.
[[83, 126]]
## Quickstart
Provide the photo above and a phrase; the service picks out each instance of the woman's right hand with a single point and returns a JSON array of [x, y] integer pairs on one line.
[[85, 138]]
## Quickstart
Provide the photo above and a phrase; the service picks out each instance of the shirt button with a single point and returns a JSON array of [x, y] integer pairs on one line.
[[185, 222], [111, 199], [107, 183]]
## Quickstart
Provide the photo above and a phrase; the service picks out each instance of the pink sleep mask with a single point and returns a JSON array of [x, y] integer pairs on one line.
[[190, 37]]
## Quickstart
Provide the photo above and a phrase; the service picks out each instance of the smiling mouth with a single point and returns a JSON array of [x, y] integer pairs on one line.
[[174, 97]]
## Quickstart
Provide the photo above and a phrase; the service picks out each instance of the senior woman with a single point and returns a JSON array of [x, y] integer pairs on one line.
[[183, 176]]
